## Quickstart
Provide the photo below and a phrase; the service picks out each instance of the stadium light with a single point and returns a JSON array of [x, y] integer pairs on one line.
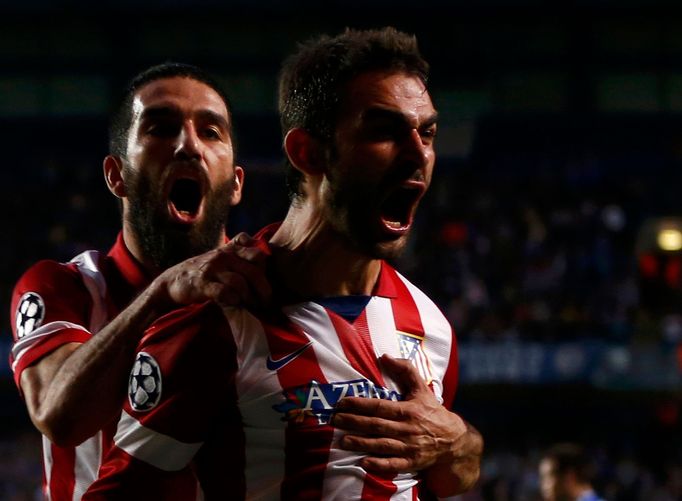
[[662, 234], [669, 239]]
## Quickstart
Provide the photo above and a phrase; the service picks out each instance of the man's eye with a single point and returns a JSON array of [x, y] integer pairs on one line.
[[383, 131], [429, 133], [162, 130], [212, 133]]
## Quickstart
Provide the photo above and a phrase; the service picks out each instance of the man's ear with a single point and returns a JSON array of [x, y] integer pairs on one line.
[[238, 185], [113, 175], [304, 151]]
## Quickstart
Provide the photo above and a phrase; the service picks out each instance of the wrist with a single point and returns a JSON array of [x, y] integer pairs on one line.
[[155, 300]]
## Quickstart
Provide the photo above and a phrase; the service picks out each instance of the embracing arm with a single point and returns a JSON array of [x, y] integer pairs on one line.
[[75, 390]]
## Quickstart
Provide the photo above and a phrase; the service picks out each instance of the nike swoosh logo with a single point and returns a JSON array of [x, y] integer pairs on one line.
[[275, 365]]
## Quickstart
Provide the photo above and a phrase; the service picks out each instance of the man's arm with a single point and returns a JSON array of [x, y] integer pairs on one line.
[[74, 391], [415, 434]]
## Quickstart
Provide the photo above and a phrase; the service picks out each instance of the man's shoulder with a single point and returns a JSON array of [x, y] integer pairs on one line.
[[407, 292], [192, 339], [49, 275], [412, 289], [187, 322], [52, 269]]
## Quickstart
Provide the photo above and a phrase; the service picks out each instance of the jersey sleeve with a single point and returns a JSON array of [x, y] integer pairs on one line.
[[179, 386], [50, 307]]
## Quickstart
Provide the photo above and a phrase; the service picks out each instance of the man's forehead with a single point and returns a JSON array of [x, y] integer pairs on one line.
[[390, 90], [181, 93]]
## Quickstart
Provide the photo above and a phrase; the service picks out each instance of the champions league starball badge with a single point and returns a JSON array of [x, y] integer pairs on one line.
[[144, 385], [30, 314]]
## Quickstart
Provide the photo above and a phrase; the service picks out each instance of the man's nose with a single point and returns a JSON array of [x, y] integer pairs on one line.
[[188, 144], [416, 148]]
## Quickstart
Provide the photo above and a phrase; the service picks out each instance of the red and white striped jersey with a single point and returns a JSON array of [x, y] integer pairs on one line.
[[243, 400], [58, 303]]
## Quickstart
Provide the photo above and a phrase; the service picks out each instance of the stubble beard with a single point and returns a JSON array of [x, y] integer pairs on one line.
[[164, 242], [351, 212]]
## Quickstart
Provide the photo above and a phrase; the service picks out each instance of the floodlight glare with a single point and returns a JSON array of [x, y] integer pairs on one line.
[[669, 239]]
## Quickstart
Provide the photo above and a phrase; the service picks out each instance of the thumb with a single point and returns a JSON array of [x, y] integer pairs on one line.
[[244, 239], [249, 248], [404, 374]]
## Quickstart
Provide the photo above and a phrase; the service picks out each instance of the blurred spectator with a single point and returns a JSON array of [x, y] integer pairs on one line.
[[566, 474]]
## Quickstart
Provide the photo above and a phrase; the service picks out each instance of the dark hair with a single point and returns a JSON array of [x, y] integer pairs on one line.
[[571, 457], [312, 80], [121, 118]]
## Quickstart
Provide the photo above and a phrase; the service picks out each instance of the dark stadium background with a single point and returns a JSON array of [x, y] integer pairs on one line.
[[560, 143]]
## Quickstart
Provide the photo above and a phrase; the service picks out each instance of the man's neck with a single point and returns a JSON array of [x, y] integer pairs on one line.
[[313, 260], [133, 246]]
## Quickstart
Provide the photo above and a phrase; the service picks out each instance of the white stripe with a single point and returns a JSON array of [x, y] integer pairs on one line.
[[157, 449], [47, 464], [405, 483], [25, 344], [258, 389], [88, 459], [381, 324], [88, 266], [382, 329], [343, 478]]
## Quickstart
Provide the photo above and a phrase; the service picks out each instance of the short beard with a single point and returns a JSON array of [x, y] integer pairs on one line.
[[347, 211], [165, 243]]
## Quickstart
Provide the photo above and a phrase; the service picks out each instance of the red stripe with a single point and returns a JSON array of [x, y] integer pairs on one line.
[[451, 377], [405, 310], [357, 345], [62, 476], [307, 443], [356, 342], [378, 488]]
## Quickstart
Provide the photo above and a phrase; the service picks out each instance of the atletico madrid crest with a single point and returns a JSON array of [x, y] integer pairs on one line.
[[411, 349]]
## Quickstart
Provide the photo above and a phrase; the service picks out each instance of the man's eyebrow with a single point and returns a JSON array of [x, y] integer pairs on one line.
[[214, 117], [159, 112], [379, 113], [171, 112]]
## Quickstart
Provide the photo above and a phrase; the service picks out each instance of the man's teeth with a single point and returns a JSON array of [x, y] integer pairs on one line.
[[396, 225]]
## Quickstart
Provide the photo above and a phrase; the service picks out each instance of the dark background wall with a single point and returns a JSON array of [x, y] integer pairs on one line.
[[560, 138]]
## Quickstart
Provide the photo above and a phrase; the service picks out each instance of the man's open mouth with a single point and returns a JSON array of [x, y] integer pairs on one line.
[[185, 198], [185, 195], [398, 208]]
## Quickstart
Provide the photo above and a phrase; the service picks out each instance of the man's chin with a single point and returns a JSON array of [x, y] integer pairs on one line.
[[388, 249], [169, 243]]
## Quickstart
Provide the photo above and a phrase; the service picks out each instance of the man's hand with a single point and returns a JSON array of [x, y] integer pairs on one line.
[[232, 275], [416, 434]]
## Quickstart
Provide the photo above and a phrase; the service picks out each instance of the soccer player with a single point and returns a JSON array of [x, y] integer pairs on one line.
[[566, 474], [76, 325], [340, 389]]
